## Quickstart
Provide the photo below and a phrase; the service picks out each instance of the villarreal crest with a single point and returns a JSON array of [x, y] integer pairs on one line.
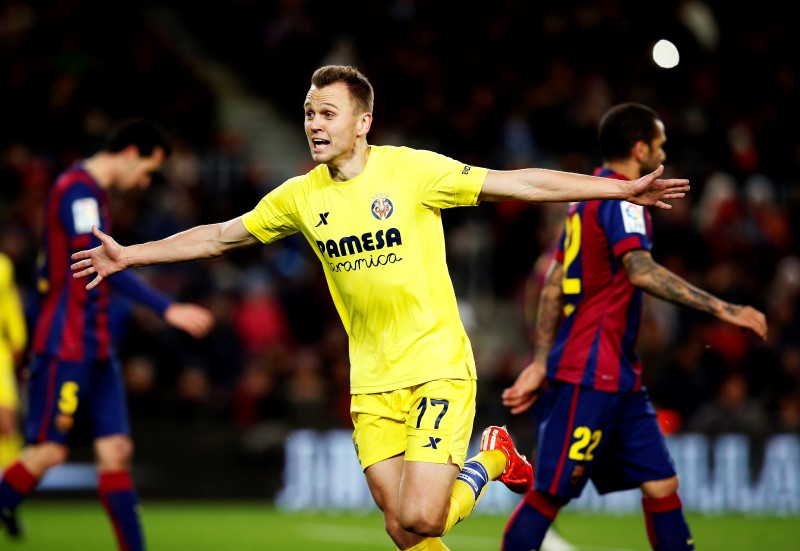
[[382, 207]]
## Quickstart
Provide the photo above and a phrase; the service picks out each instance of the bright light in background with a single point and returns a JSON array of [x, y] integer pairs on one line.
[[665, 54]]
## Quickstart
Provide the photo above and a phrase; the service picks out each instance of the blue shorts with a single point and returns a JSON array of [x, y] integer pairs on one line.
[[75, 402], [612, 439]]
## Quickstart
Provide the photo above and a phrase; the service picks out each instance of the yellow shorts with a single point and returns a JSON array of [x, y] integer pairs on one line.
[[431, 422], [8, 383]]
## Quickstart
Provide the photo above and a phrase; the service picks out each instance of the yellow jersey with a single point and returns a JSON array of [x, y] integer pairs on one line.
[[13, 332], [380, 239]]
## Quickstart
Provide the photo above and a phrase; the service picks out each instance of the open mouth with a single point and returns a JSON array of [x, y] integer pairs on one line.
[[318, 144]]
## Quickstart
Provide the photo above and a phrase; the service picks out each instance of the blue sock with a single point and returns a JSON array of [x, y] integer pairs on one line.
[[666, 526], [528, 524], [122, 505]]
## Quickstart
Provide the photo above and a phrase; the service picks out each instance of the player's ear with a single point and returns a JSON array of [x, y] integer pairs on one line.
[[364, 124], [640, 150], [131, 151]]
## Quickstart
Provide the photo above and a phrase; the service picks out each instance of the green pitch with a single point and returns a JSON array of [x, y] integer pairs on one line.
[[82, 526]]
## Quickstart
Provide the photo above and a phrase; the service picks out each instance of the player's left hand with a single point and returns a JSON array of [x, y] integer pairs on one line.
[[194, 319], [523, 393], [746, 317], [649, 190]]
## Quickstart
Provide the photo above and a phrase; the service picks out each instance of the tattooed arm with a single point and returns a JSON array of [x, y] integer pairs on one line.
[[549, 311], [523, 393], [646, 273]]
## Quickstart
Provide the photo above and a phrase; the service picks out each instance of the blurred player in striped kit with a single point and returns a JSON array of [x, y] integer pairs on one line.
[[598, 422], [76, 386]]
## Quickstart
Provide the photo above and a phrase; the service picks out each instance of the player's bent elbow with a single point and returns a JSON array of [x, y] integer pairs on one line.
[[641, 280], [657, 489]]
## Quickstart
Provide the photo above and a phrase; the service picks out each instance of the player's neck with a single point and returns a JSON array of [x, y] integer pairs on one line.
[[344, 169], [100, 167], [625, 167]]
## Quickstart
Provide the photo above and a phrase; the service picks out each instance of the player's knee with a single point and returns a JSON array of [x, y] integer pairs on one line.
[[41, 457], [6, 428], [114, 452], [8, 422], [59, 455], [393, 528], [422, 524], [656, 489], [402, 538]]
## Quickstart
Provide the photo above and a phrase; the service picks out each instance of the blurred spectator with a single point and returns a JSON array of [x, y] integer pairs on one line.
[[731, 411], [259, 317], [788, 414], [686, 377]]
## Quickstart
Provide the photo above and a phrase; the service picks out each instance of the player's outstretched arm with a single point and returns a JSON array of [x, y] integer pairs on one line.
[[538, 185], [200, 242], [646, 273]]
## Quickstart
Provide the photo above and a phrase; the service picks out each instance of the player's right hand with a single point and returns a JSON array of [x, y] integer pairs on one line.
[[104, 260], [523, 393]]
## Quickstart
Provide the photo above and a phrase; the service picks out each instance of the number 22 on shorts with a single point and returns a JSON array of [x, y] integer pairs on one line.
[[585, 443]]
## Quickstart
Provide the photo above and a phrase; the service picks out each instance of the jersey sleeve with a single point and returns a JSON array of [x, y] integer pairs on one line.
[[133, 287], [276, 215], [627, 226], [443, 182], [558, 250], [78, 211]]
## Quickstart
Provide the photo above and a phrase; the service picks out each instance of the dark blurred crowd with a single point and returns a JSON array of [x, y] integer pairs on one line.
[[504, 85]]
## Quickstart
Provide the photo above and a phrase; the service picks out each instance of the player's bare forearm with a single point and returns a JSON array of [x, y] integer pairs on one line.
[[537, 185], [644, 272], [549, 311], [201, 242], [198, 243]]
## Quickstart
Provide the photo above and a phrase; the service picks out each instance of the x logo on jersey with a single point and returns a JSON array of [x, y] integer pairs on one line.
[[432, 443], [323, 219]]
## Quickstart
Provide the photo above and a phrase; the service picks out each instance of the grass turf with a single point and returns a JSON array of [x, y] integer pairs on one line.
[[81, 525]]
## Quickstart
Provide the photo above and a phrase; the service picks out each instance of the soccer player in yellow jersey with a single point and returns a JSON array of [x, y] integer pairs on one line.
[[13, 339], [372, 214]]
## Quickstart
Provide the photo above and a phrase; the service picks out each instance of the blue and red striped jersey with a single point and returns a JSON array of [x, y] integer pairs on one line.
[[73, 323], [595, 345]]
